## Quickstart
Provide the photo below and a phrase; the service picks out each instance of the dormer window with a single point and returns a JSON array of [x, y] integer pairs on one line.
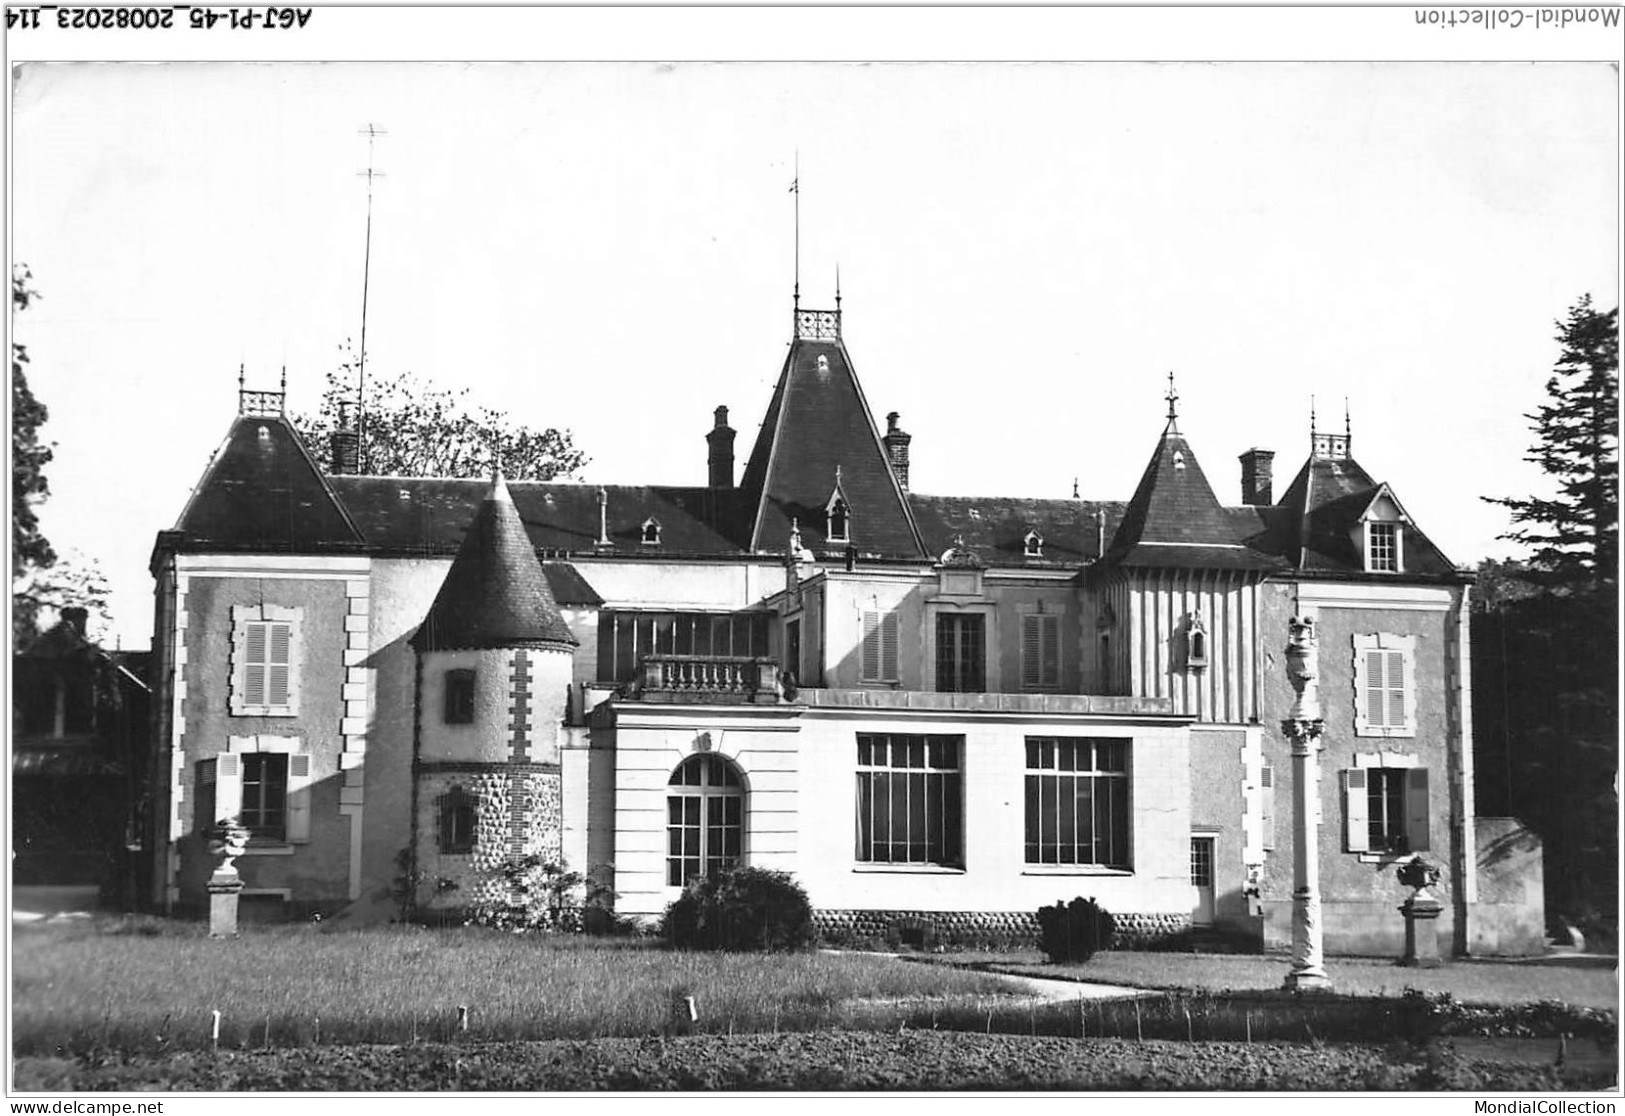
[[1379, 534], [1382, 547], [1033, 545], [651, 531], [839, 522]]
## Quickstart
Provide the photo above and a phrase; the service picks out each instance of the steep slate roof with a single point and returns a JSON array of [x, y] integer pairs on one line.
[[495, 594], [429, 514], [263, 492], [1174, 520], [818, 420], [996, 527], [1319, 511]]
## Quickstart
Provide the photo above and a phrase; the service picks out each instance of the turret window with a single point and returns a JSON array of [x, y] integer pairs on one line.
[[459, 708], [459, 818], [839, 522]]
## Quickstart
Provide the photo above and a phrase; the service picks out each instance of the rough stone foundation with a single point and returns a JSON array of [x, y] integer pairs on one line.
[[979, 929]]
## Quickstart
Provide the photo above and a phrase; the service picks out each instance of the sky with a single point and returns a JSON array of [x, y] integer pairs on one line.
[[1025, 252]]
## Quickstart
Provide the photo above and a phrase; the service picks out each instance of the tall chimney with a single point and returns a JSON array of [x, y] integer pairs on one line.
[[345, 445], [1257, 467], [74, 616], [897, 449], [720, 461]]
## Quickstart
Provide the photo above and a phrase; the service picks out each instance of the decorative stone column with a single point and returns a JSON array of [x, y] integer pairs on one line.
[[1303, 727], [228, 841], [1421, 913]]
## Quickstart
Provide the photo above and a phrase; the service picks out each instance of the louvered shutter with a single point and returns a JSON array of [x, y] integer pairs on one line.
[[888, 647], [254, 672], [1032, 650], [1355, 808], [1049, 628], [871, 647], [278, 663], [1266, 806], [298, 817], [1376, 697], [228, 788], [1394, 683], [1416, 809]]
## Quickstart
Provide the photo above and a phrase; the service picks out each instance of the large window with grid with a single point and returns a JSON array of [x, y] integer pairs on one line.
[[1382, 547], [625, 637], [265, 796], [909, 799], [705, 818], [961, 653], [1077, 809]]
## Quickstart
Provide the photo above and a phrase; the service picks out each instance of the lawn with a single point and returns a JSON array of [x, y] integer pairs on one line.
[[1473, 982], [147, 985]]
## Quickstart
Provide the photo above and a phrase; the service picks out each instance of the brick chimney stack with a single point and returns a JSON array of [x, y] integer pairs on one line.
[[720, 462], [897, 449], [74, 616], [1257, 468], [345, 445]]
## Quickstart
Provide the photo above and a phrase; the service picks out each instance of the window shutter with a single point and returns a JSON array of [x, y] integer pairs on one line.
[[298, 818], [888, 647], [1395, 683], [254, 665], [1031, 650], [1266, 805], [1358, 836], [1375, 689], [1416, 809], [278, 664], [1050, 629], [228, 788], [871, 647]]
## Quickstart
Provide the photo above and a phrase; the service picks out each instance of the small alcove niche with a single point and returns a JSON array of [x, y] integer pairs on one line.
[[1196, 649], [651, 531], [1032, 545]]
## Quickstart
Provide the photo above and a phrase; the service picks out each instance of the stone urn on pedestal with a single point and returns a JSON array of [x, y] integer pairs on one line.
[[1421, 913], [228, 840]]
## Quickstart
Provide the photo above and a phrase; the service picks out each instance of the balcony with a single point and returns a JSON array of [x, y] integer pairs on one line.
[[706, 679]]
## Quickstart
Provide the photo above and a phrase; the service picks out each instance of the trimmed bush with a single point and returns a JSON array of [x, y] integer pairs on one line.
[[1076, 930], [741, 909]]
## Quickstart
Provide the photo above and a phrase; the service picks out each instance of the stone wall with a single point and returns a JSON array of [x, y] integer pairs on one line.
[[985, 929]]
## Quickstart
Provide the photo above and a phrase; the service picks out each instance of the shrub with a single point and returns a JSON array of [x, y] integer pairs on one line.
[[741, 909], [526, 893], [1076, 930]]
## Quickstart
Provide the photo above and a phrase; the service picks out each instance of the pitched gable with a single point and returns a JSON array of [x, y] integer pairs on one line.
[[1321, 510], [264, 492], [818, 421]]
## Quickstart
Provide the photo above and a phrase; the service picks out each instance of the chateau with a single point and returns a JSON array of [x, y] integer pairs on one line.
[[938, 712]]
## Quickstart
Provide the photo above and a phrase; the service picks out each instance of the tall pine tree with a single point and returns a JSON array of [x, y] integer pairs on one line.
[[1546, 641], [1574, 535]]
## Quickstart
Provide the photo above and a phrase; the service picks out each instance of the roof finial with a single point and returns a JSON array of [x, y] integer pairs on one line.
[[1074, 488], [1311, 418], [837, 476], [795, 188], [1173, 398], [242, 377], [284, 380], [837, 286], [1348, 425]]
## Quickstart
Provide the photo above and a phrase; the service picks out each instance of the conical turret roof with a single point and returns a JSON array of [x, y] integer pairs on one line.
[[495, 594], [1174, 520]]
